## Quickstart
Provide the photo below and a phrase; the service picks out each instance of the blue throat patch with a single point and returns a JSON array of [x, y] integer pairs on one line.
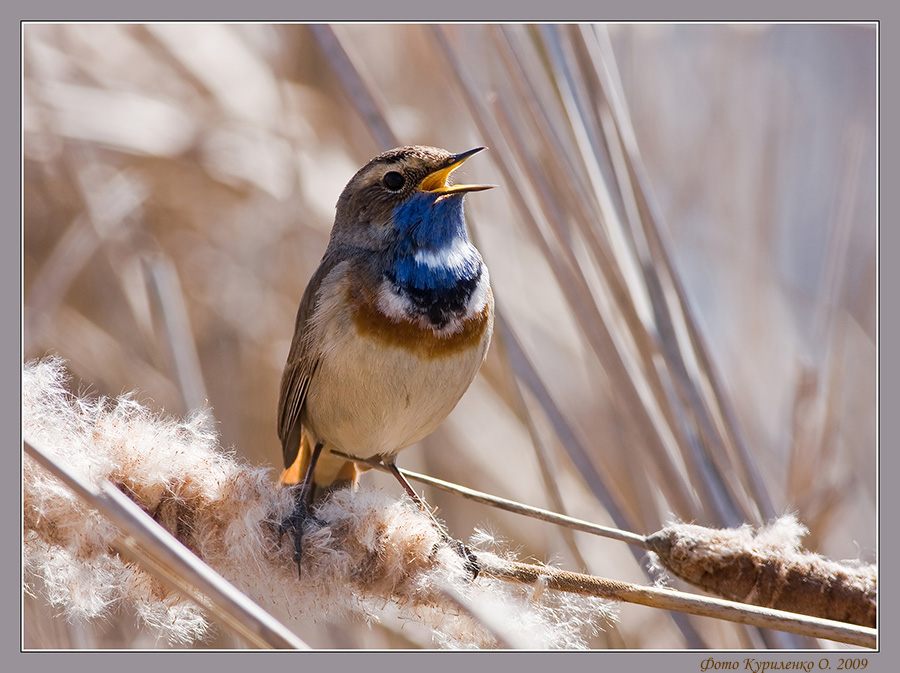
[[431, 226], [433, 263]]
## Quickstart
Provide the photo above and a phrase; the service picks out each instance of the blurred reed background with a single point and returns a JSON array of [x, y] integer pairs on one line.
[[682, 247]]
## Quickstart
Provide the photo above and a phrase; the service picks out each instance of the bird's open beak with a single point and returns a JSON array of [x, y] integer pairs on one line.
[[437, 181]]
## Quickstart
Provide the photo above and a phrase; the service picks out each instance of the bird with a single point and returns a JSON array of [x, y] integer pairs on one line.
[[391, 330]]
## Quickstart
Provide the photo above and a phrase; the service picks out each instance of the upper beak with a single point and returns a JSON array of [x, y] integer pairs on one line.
[[437, 181]]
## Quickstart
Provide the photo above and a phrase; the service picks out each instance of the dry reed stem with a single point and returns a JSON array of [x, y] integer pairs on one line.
[[149, 545], [699, 448], [669, 599], [707, 394]]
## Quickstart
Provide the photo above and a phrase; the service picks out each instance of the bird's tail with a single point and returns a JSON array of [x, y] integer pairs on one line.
[[330, 472]]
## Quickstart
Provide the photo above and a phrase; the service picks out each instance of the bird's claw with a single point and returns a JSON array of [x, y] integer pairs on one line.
[[295, 523], [470, 560]]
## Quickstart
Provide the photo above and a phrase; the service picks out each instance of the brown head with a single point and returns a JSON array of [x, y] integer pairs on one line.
[[366, 206]]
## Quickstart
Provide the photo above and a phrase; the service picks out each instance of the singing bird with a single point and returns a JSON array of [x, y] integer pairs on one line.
[[392, 328]]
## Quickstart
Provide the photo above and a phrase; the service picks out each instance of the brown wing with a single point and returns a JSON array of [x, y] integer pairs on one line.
[[299, 369]]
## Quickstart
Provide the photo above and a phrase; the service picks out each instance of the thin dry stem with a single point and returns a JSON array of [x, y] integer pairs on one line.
[[512, 506]]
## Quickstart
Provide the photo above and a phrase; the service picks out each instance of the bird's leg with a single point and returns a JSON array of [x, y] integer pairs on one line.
[[301, 514], [468, 556]]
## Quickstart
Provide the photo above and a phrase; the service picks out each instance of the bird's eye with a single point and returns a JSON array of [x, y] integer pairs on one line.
[[393, 181]]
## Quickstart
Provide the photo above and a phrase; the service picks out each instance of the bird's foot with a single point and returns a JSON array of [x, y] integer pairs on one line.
[[470, 560], [295, 523]]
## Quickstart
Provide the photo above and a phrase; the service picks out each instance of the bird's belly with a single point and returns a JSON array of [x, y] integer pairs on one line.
[[369, 398]]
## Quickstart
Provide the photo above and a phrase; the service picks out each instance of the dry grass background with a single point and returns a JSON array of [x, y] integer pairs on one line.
[[180, 183]]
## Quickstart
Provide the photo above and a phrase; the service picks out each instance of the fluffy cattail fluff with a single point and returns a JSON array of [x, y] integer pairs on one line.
[[374, 558], [769, 568]]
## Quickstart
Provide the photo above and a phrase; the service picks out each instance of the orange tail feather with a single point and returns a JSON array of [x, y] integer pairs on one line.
[[348, 473]]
